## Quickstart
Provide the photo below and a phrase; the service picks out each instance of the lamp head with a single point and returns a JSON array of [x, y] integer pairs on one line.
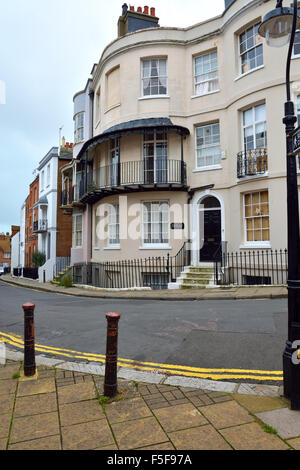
[[277, 25]]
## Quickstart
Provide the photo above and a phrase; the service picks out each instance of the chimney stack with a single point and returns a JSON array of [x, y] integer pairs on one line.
[[132, 20]]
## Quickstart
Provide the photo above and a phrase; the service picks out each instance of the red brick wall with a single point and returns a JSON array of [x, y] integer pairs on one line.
[[64, 221], [31, 239]]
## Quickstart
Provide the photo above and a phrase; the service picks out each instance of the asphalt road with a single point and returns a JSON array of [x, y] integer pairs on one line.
[[246, 334]]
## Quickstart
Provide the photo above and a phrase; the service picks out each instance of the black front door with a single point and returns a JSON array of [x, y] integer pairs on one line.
[[212, 235]]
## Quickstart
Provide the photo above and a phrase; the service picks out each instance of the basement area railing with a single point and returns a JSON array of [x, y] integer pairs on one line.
[[154, 272], [263, 267]]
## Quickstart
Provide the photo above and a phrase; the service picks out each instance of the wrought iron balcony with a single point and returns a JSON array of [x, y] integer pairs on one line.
[[252, 162], [40, 226], [160, 174]]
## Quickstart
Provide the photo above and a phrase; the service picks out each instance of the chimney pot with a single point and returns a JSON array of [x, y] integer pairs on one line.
[[146, 10], [152, 11], [67, 145], [131, 8], [139, 9]]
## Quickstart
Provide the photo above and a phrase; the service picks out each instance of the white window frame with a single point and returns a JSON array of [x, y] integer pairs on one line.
[[255, 46], [154, 244], [254, 124], [211, 71], [79, 129], [159, 95], [298, 109], [258, 243], [160, 164], [213, 145], [98, 106], [75, 231], [113, 226], [48, 175]]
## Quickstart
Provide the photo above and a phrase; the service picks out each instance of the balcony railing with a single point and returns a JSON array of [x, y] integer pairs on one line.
[[135, 174], [40, 226], [252, 162]]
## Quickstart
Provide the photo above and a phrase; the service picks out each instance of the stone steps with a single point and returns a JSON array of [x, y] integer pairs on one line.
[[195, 277]]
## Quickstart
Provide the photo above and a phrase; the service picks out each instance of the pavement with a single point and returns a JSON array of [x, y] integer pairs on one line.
[[62, 409], [221, 293]]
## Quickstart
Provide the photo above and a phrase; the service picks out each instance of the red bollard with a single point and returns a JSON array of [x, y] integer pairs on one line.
[[29, 352], [110, 381]]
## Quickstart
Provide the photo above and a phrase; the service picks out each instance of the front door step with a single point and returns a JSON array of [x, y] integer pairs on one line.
[[195, 277]]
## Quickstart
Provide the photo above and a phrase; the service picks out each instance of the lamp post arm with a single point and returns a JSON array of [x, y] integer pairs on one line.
[[288, 64]]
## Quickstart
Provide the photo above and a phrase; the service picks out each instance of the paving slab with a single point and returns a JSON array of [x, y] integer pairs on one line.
[[34, 427], [87, 436], [44, 443], [252, 437], [285, 421], [76, 392], [163, 446], [120, 411], [109, 447], [4, 425], [203, 384], [8, 386], [80, 412], [179, 417], [3, 443], [258, 404], [138, 433], [295, 443], [36, 387], [201, 438], [6, 403], [35, 404], [224, 415], [8, 371], [139, 376], [258, 389]]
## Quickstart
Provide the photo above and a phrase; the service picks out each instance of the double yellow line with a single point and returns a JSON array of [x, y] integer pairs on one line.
[[169, 369]]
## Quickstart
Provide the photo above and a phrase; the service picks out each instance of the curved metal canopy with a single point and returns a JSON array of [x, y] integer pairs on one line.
[[139, 126]]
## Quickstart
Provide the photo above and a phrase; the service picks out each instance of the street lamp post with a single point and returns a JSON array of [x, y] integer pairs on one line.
[[279, 27]]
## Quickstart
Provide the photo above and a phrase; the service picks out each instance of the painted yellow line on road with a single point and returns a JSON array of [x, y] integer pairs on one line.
[[216, 374]]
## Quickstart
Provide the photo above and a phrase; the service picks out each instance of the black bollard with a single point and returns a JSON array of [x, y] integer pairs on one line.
[[29, 352], [110, 381]]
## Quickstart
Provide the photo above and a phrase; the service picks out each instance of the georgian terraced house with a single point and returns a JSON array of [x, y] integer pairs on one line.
[[179, 137]]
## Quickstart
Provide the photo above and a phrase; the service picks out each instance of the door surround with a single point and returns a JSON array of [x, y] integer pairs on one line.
[[195, 235]]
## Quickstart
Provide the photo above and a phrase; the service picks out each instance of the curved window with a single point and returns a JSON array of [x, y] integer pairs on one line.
[[206, 73], [79, 127], [154, 77], [251, 49]]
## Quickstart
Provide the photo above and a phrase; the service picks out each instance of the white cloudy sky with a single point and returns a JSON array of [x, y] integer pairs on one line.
[[47, 49]]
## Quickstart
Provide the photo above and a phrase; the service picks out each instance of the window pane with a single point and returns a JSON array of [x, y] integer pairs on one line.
[[257, 216], [260, 112]]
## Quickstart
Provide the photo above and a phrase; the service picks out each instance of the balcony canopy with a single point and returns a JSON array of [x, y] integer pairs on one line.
[[139, 126]]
